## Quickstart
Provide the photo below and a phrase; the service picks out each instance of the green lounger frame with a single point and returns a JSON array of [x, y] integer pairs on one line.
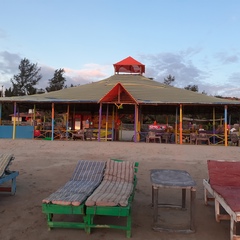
[[116, 211], [55, 211], [51, 209]]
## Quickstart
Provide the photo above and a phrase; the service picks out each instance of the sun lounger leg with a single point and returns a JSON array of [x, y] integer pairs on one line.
[[13, 188], [88, 222], [205, 196], [217, 210], [183, 198], [49, 219], [129, 224], [155, 205], [192, 209], [232, 228]]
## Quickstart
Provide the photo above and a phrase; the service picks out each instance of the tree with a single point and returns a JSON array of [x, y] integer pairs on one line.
[[193, 88], [57, 82], [169, 79], [24, 82]]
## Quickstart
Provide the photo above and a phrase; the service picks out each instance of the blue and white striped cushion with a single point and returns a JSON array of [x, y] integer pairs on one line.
[[5, 161], [86, 177]]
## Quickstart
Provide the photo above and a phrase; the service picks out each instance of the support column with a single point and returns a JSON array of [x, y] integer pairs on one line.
[[99, 121], [180, 125], [225, 126], [136, 123], [52, 121], [14, 121]]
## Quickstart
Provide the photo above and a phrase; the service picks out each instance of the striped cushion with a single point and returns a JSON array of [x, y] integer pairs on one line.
[[116, 187], [5, 161], [86, 177], [119, 171]]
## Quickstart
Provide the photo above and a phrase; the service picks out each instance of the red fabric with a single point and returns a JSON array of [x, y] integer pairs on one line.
[[231, 195], [224, 178], [224, 173], [130, 65], [37, 133]]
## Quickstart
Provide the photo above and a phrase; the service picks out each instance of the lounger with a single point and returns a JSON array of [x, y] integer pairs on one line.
[[223, 187], [113, 197], [70, 198], [6, 175]]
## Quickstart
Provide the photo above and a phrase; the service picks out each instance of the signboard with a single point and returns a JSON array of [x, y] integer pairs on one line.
[[157, 127]]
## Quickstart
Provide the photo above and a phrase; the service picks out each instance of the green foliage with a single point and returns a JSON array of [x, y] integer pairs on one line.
[[169, 79], [193, 88], [57, 82], [24, 82]]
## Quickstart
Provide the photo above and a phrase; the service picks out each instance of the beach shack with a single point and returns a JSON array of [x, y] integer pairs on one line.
[[101, 105]]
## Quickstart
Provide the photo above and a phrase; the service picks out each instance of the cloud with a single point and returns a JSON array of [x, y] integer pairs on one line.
[[89, 73], [158, 66], [9, 63], [178, 65], [225, 58], [235, 77], [8, 67]]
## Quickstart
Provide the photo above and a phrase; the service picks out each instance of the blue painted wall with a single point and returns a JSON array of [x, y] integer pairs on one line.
[[21, 132]]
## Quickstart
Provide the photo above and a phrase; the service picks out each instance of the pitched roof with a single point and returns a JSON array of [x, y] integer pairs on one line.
[[129, 65], [118, 94], [142, 89]]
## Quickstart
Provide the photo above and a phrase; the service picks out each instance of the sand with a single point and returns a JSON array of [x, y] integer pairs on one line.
[[44, 166]]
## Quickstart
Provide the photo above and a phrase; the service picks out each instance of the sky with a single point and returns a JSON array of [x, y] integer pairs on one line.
[[196, 41]]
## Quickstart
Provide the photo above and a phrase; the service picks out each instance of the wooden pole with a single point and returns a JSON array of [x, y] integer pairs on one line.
[[225, 125], [180, 125], [52, 122], [99, 121], [136, 123], [67, 125], [176, 122], [0, 113], [113, 132], [14, 121], [214, 125], [106, 130]]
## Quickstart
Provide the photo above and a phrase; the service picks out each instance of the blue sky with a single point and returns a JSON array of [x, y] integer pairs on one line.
[[197, 41]]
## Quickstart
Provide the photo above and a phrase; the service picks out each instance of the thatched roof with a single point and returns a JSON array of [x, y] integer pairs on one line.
[[142, 89]]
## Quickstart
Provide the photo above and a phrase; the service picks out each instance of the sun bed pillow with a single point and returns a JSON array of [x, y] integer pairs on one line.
[[86, 177], [5, 161], [224, 178], [224, 173], [116, 187]]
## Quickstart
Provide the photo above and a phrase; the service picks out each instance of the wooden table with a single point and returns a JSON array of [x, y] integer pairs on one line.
[[168, 178]]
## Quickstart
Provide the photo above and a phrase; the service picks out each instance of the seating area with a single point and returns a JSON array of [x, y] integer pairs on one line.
[[152, 137], [223, 187], [7, 177], [202, 138], [79, 135], [234, 139], [97, 188]]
